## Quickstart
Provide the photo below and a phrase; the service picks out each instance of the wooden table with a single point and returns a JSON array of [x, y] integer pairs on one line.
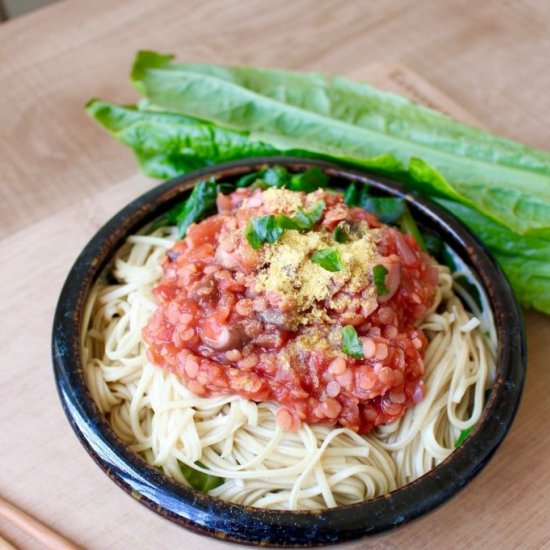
[[62, 177]]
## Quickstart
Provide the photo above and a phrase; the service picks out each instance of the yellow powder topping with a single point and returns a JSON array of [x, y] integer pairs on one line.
[[282, 200], [288, 270]]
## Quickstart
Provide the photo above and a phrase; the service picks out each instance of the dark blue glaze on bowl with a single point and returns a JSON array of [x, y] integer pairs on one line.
[[230, 522]]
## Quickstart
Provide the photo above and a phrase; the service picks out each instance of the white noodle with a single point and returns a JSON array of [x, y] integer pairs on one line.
[[313, 468]]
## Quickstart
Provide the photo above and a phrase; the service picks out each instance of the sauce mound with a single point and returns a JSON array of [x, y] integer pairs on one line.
[[266, 323]]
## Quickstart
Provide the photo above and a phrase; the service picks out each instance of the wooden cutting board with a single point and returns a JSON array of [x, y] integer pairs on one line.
[[46, 471]]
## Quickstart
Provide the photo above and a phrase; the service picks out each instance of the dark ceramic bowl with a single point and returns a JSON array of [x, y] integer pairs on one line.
[[211, 516]]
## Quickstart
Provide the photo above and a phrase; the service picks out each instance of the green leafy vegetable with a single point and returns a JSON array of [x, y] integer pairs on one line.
[[386, 209], [351, 345], [199, 480], [196, 114], [200, 203], [268, 229], [340, 234], [275, 176], [433, 243], [379, 273], [463, 436], [329, 259], [279, 177], [309, 181], [353, 193], [524, 260], [355, 122], [167, 145]]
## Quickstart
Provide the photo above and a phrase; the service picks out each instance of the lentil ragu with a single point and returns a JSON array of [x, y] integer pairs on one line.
[[266, 323]]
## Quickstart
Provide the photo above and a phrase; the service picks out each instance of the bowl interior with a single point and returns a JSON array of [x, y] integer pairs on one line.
[[231, 522]]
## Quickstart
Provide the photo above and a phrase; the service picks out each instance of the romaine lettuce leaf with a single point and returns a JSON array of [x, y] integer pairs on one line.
[[524, 259], [506, 181], [168, 145], [195, 115]]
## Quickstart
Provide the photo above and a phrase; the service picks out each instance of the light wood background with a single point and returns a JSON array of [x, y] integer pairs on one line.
[[61, 177]]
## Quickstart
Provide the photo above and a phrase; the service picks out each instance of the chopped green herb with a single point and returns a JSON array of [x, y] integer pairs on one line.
[[351, 345], [329, 259], [276, 176], [463, 436], [309, 181], [268, 229], [252, 237], [303, 220], [264, 229], [279, 177], [199, 480], [340, 234], [379, 273]]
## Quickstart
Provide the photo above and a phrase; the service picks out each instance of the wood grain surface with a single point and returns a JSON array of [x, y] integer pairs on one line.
[[61, 177]]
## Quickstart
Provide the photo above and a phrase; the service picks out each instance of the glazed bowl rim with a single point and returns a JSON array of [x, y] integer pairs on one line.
[[237, 523]]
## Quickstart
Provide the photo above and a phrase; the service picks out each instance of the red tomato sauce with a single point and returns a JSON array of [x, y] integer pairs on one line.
[[214, 329]]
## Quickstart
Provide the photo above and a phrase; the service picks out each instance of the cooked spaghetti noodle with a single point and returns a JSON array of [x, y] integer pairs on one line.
[[314, 467]]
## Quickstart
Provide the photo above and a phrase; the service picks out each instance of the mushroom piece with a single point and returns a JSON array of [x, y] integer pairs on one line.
[[222, 337]]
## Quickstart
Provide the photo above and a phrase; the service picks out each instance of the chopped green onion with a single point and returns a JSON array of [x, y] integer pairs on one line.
[[351, 345], [329, 259], [379, 273]]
